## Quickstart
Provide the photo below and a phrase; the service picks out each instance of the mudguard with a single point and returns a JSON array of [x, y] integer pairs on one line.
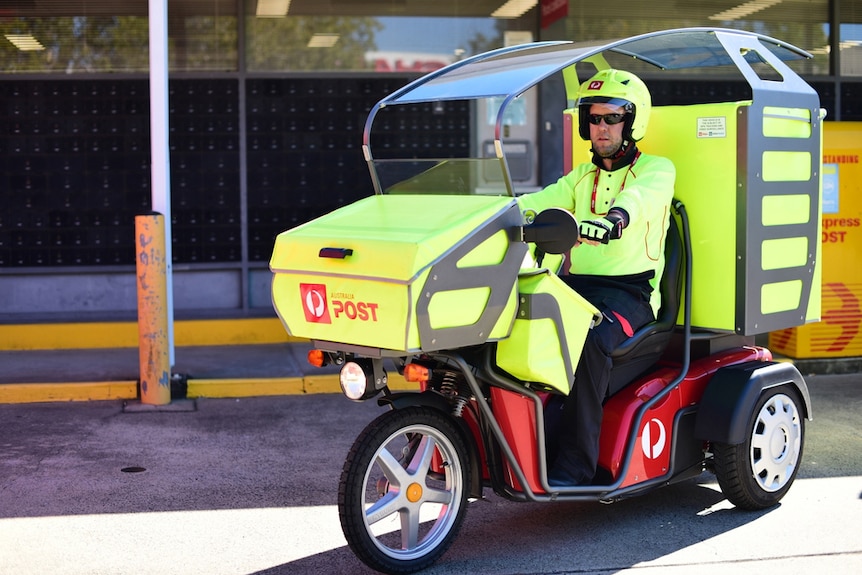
[[732, 392], [412, 398], [433, 400]]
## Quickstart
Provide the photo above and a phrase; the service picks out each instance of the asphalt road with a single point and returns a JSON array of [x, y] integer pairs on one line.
[[242, 486]]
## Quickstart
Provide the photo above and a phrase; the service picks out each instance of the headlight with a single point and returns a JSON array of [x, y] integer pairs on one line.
[[362, 378], [354, 381]]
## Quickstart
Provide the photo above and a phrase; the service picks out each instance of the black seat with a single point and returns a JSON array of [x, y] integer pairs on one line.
[[646, 346]]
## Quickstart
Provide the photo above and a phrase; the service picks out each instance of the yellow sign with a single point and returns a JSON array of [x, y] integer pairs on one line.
[[838, 333]]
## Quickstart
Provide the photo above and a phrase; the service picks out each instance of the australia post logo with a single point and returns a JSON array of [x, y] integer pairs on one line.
[[321, 308], [314, 303], [595, 85]]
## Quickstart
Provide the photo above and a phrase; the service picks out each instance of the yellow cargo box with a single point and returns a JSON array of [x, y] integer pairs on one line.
[[750, 179], [402, 272]]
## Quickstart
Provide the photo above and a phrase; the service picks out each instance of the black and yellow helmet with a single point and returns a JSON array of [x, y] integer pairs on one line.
[[619, 88]]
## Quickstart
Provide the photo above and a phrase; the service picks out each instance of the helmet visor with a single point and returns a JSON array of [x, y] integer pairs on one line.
[[624, 104]]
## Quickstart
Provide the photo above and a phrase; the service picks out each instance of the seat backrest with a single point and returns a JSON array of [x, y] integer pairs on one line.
[[647, 344], [672, 278]]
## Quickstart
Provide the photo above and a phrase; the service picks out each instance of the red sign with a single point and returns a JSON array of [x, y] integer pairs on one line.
[[314, 303], [553, 10], [317, 305], [399, 65]]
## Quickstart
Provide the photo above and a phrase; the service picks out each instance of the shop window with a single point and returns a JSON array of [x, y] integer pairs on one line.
[[314, 36], [850, 38], [82, 38], [803, 23]]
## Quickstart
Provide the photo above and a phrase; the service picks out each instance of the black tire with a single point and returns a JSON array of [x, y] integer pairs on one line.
[[757, 473], [386, 483]]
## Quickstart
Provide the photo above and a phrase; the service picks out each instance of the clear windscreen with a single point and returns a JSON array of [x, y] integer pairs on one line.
[[447, 176]]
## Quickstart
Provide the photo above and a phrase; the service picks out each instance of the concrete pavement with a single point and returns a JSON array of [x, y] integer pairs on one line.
[[248, 485]]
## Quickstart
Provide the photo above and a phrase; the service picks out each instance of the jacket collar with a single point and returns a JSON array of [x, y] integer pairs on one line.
[[624, 157]]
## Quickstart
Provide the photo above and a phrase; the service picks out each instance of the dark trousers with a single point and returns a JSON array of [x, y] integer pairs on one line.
[[580, 419]]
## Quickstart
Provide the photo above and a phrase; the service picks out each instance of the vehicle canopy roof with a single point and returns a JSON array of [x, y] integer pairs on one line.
[[508, 72], [513, 70]]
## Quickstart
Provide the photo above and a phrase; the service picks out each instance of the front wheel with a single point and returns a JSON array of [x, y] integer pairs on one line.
[[403, 490], [757, 473]]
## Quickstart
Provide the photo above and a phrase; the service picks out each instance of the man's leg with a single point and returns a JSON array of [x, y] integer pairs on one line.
[[581, 419]]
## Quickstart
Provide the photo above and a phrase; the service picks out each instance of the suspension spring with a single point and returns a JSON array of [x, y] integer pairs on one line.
[[458, 408], [451, 385]]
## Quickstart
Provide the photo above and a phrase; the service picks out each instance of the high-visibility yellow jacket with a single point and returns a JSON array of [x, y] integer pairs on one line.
[[644, 189]]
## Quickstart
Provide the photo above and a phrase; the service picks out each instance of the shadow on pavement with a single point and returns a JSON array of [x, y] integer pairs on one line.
[[560, 537]]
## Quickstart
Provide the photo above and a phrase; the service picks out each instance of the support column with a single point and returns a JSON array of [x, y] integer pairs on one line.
[[159, 141], [153, 334]]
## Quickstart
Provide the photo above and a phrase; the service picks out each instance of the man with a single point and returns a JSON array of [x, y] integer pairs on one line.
[[622, 201]]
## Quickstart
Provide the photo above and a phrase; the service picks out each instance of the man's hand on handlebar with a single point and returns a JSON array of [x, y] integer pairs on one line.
[[602, 230]]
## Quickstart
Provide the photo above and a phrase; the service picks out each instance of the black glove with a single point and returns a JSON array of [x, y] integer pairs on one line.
[[604, 229]]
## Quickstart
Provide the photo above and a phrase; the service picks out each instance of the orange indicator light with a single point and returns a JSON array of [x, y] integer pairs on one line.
[[416, 373], [316, 358]]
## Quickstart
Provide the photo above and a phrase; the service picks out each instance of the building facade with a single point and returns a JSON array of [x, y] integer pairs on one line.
[[267, 100]]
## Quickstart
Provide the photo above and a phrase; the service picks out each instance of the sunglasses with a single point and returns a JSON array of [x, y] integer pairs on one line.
[[610, 119]]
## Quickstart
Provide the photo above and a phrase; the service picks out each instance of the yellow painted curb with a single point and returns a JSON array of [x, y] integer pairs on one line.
[[78, 391], [329, 383], [215, 388], [322, 383], [398, 383], [245, 387], [97, 335]]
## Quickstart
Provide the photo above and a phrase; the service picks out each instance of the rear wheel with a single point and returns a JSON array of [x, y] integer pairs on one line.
[[399, 514], [757, 473]]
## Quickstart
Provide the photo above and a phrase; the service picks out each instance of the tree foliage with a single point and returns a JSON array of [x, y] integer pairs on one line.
[[276, 44], [89, 44]]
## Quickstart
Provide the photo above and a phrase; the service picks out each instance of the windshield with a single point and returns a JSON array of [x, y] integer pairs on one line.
[[449, 176]]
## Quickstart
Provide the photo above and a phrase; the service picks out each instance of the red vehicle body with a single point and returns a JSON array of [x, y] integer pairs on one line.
[[661, 435]]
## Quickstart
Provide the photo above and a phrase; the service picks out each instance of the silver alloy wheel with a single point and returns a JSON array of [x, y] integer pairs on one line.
[[402, 496], [775, 443], [412, 496]]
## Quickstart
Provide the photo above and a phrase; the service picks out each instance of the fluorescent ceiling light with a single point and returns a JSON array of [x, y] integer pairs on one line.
[[25, 42], [744, 10], [323, 40], [272, 8], [514, 8]]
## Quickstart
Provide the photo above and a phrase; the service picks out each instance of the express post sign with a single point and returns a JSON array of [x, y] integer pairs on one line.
[[839, 331]]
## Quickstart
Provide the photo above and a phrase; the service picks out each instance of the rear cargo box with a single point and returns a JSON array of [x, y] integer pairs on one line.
[[402, 272], [750, 180]]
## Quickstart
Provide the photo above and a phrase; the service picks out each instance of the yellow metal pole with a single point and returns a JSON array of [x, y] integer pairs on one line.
[[153, 348]]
